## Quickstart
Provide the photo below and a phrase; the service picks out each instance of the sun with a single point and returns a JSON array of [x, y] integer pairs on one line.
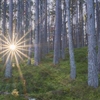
[[12, 47]]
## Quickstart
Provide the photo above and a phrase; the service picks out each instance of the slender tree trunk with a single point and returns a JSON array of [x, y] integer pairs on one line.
[[36, 45], [49, 23], [92, 56], [57, 34], [45, 27], [64, 33], [71, 50], [81, 23], [30, 34], [8, 70], [18, 17], [4, 23], [41, 30], [77, 26]]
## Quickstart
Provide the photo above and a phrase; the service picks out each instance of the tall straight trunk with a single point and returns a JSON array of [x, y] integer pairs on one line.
[[45, 27], [0, 11], [86, 25], [97, 18], [41, 30], [60, 25], [19, 22], [4, 18], [30, 34], [4, 23], [81, 23], [26, 24], [8, 70], [77, 25], [49, 31], [71, 50], [92, 56], [0, 23], [36, 45], [98, 32], [21, 12], [57, 33], [64, 32], [18, 17]]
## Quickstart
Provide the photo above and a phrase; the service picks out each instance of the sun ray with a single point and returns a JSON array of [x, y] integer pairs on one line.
[[12, 55], [22, 49], [4, 46], [7, 52], [8, 57], [25, 46], [5, 42], [8, 41], [23, 54], [21, 42], [18, 55], [4, 51], [18, 66], [23, 36]]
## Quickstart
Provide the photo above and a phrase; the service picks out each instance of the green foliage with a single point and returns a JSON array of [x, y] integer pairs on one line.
[[51, 82]]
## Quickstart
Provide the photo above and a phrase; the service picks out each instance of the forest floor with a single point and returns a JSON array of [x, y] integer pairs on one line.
[[48, 81]]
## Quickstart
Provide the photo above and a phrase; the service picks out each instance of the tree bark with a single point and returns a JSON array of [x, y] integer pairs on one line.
[[36, 45], [57, 33], [71, 50], [8, 70], [92, 56]]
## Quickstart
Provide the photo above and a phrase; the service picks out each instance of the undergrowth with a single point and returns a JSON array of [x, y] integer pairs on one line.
[[50, 82]]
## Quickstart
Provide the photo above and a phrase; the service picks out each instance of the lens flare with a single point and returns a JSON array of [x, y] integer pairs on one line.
[[12, 47]]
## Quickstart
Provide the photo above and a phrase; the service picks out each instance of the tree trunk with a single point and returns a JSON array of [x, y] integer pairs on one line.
[[98, 33], [36, 45], [4, 24], [8, 70], [92, 56], [30, 34], [71, 50], [57, 33], [64, 33]]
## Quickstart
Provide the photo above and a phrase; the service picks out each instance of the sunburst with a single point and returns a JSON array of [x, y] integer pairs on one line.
[[14, 47]]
